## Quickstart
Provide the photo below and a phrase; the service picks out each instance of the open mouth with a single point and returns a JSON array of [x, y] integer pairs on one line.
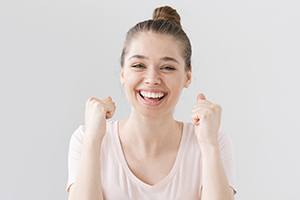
[[152, 99]]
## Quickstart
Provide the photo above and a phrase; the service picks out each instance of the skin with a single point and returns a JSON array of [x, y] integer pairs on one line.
[[150, 134], [146, 120]]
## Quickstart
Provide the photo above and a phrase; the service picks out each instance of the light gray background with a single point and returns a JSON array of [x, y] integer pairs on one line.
[[55, 54]]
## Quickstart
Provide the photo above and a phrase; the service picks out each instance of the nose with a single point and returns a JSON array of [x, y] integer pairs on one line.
[[152, 77]]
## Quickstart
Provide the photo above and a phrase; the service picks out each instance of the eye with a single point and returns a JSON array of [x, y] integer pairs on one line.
[[138, 66], [169, 68]]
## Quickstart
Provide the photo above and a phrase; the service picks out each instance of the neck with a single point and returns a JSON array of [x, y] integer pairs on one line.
[[147, 135]]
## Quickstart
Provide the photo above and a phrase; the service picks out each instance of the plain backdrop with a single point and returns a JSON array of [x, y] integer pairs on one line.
[[55, 54]]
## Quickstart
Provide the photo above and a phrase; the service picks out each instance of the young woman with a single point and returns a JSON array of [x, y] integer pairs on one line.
[[150, 155]]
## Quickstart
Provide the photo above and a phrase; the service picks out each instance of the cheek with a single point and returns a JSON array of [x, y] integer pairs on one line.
[[130, 84], [130, 81], [176, 94], [128, 78], [176, 84]]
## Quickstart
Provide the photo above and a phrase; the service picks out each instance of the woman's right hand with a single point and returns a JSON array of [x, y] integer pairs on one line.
[[96, 113]]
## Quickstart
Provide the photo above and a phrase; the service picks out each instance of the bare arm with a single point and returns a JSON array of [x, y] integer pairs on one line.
[[215, 185], [207, 120], [88, 181]]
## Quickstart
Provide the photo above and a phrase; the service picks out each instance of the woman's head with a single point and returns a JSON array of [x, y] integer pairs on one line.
[[165, 21], [156, 61]]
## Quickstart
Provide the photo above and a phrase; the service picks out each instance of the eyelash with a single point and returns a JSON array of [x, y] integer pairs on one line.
[[169, 68]]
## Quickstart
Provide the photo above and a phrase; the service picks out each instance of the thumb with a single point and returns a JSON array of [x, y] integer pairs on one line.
[[107, 99], [200, 97]]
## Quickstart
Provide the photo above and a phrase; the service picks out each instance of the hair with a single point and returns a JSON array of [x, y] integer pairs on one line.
[[165, 20]]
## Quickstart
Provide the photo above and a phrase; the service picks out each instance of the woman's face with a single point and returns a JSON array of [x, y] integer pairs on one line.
[[154, 67]]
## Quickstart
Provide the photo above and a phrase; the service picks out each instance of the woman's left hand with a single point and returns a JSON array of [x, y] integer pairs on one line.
[[207, 119]]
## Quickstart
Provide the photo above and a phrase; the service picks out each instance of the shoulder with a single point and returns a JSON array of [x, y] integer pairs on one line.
[[189, 131], [190, 140]]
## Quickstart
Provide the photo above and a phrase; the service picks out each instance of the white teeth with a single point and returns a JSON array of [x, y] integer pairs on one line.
[[152, 94]]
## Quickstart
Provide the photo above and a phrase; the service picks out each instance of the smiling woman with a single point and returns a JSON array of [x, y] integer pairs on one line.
[[152, 70], [149, 154]]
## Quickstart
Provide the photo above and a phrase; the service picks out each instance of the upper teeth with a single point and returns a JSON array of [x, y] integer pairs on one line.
[[152, 94]]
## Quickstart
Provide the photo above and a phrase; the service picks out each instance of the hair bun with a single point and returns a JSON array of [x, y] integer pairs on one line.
[[166, 13]]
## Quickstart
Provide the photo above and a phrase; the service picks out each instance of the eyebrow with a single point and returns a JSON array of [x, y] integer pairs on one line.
[[166, 58]]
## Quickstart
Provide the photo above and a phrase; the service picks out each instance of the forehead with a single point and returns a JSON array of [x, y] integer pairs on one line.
[[155, 46]]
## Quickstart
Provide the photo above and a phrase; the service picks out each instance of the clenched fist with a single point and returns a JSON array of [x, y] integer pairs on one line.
[[206, 118], [96, 113]]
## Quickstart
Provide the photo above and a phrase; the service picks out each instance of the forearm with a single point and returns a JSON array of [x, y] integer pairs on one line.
[[88, 181], [215, 185]]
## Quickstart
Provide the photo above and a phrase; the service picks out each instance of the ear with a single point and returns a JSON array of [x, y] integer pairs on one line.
[[122, 76], [188, 79]]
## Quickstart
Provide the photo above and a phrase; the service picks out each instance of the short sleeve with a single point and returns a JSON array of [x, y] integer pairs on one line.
[[74, 155], [226, 151]]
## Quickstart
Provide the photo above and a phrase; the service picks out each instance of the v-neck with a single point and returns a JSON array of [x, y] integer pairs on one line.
[[162, 182]]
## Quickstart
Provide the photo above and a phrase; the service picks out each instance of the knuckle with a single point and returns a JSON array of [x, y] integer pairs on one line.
[[207, 113], [89, 99], [218, 107]]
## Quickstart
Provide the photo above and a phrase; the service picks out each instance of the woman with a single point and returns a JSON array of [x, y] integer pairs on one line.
[[150, 155]]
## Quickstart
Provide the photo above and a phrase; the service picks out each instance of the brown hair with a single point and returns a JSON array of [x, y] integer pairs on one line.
[[165, 20]]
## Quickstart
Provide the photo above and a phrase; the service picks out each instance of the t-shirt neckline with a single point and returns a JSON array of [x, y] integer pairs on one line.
[[130, 174]]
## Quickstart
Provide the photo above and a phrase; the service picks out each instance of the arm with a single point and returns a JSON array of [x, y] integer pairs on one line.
[[215, 185], [88, 179], [88, 182], [207, 120]]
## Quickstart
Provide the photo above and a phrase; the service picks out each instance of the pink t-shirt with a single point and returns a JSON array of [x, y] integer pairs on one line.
[[118, 181]]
